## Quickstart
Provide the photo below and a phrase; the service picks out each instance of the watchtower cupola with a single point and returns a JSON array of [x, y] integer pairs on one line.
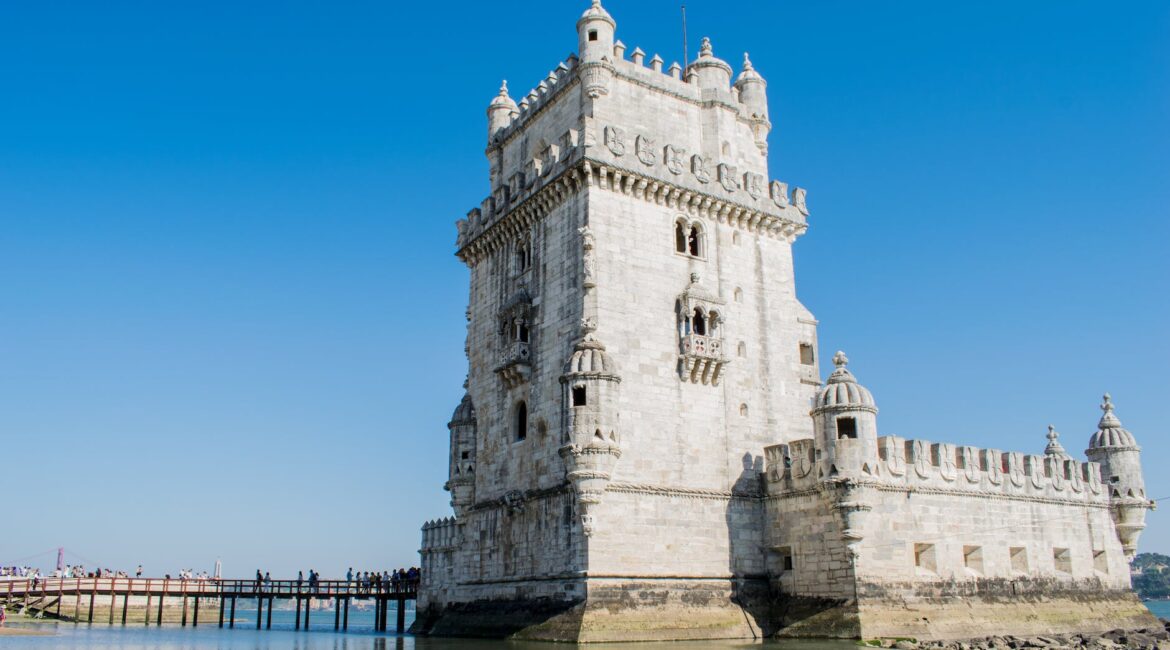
[[595, 31], [752, 94], [500, 111], [1121, 467], [845, 420]]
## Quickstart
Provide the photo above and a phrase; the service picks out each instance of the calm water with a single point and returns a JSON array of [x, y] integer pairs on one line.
[[322, 637]]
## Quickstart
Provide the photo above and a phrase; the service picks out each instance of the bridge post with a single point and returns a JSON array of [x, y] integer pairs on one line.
[[308, 602], [297, 626], [221, 610], [232, 622], [91, 595], [60, 596], [125, 605], [269, 624], [336, 614], [76, 602], [259, 610], [113, 598], [400, 620], [162, 602], [345, 616], [195, 621], [149, 597], [184, 623]]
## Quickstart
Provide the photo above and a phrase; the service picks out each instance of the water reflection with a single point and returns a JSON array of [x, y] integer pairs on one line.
[[101, 637]]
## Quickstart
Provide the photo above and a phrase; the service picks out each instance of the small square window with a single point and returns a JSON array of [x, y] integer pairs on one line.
[[593, 34], [846, 428], [1062, 560], [973, 558], [1019, 558], [806, 354], [781, 558], [579, 396], [1100, 562], [465, 455], [924, 557]]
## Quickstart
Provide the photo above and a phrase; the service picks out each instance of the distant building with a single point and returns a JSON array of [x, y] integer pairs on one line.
[[646, 449]]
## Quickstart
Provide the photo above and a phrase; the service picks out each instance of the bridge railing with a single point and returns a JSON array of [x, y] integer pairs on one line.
[[208, 587]]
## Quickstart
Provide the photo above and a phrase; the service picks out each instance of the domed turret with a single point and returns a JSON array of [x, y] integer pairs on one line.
[[753, 95], [710, 72], [845, 420], [501, 110], [595, 30], [591, 442], [1121, 468], [461, 472]]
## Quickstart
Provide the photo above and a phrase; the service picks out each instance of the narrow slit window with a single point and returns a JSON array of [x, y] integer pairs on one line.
[[521, 421]]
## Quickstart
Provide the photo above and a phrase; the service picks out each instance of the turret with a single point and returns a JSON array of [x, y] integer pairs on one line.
[[595, 32], [500, 111], [845, 424], [1120, 457], [709, 72], [752, 94], [590, 403], [461, 472]]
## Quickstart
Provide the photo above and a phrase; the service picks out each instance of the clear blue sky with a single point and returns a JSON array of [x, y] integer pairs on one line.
[[231, 323]]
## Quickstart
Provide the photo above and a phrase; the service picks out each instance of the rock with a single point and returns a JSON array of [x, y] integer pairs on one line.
[[905, 645]]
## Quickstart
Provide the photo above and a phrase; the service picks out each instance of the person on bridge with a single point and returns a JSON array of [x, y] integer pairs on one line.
[[349, 575], [259, 579], [138, 573], [301, 578]]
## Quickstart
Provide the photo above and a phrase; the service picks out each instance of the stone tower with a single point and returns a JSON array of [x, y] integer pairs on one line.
[[1117, 451], [634, 342]]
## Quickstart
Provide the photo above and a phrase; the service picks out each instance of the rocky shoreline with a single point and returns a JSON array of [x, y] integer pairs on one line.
[[1143, 639]]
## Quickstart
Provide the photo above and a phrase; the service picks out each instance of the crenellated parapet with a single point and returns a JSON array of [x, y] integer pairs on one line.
[[440, 535], [922, 465]]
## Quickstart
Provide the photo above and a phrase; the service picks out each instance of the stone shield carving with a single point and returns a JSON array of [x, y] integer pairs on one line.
[[615, 139], [728, 177], [674, 158], [754, 184], [644, 149], [699, 167], [779, 192]]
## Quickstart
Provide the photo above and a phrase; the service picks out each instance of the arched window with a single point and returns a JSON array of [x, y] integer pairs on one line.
[[680, 237], [738, 294], [523, 257], [699, 323], [522, 331], [521, 421], [713, 323], [742, 349], [695, 241]]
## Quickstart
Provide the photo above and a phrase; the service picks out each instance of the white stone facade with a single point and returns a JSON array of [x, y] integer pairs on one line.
[[636, 349]]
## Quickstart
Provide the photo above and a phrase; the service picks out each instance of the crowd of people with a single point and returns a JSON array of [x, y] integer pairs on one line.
[[385, 581]]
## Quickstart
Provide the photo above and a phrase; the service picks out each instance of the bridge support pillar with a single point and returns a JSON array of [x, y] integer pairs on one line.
[[125, 606], [259, 610], [232, 621], [149, 597], [297, 625], [308, 602], [400, 618], [91, 595], [195, 620], [221, 611], [269, 623], [345, 616], [336, 614], [184, 623]]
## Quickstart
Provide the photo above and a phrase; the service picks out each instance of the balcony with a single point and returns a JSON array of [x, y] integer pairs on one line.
[[515, 363], [701, 359]]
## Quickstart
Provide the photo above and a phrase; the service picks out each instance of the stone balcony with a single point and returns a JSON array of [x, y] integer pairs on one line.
[[701, 359], [515, 363]]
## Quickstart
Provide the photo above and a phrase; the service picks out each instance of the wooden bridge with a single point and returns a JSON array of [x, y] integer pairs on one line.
[[49, 594]]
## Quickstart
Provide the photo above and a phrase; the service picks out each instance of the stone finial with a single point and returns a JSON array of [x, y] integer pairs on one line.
[[840, 360], [1054, 447], [747, 63], [637, 56], [619, 50], [1108, 419], [705, 47], [504, 88], [675, 70]]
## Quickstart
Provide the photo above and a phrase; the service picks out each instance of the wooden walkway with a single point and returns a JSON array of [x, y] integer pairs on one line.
[[48, 594]]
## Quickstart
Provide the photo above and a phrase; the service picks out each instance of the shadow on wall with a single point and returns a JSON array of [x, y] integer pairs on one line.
[[745, 552]]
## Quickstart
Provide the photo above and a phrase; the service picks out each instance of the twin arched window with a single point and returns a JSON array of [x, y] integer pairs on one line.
[[515, 330], [701, 323], [689, 239]]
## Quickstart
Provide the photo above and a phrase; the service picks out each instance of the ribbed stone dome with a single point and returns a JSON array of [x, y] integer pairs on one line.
[[842, 391], [502, 99], [596, 12], [590, 358], [1110, 433], [464, 413], [749, 73]]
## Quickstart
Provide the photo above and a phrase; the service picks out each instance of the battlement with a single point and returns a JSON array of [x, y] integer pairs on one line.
[[934, 466], [440, 534]]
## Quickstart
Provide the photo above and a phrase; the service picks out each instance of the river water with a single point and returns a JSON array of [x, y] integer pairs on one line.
[[282, 636], [361, 636]]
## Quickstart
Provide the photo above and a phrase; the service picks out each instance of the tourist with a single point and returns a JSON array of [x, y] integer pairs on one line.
[[301, 579], [138, 573]]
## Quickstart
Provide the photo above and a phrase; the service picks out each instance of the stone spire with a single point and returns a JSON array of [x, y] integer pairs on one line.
[[1054, 447]]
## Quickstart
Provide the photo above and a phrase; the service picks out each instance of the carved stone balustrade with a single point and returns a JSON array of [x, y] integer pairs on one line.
[[701, 359], [515, 363]]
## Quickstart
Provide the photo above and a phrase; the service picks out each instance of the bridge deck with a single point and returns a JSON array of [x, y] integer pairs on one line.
[[225, 591]]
